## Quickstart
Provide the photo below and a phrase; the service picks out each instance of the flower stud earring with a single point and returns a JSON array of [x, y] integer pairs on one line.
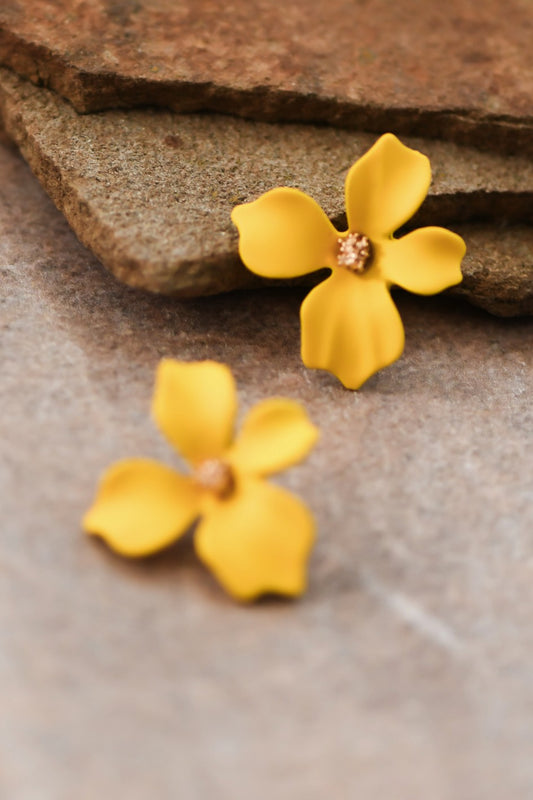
[[255, 537], [350, 324]]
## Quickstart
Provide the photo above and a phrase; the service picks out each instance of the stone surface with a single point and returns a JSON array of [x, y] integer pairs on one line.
[[461, 70], [151, 192], [498, 274], [404, 673]]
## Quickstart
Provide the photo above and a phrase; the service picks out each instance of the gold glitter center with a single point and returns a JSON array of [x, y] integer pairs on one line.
[[354, 252], [215, 476]]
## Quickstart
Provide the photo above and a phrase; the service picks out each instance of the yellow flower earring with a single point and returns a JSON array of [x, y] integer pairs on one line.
[[254, 536], [350, 325]]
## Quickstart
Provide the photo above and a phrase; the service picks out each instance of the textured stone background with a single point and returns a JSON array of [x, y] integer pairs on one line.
[[404, 673], [460, 69], [151, 192]]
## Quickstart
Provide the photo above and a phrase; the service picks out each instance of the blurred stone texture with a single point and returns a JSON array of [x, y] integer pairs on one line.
[[404, 672]]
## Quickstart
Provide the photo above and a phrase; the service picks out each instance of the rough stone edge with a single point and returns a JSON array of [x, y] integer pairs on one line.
[[98, 91], [507, 309], [232, 274], [509, 295]]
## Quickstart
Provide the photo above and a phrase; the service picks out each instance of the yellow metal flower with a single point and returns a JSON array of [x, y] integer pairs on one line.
[[254, 536], [350, 325]]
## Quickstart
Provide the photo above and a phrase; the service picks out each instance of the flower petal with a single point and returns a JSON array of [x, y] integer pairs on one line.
[[425, 261], [276, 434], [258, 541], [284, 234], [351, 327], [195, 405], [141, 506], [385, 187]]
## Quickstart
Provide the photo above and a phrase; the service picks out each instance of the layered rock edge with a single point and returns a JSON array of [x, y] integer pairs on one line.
[[151, 192], [447, 72]]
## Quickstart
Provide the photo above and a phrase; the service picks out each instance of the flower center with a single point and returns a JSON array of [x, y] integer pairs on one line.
[[215, 476], [354, 252]]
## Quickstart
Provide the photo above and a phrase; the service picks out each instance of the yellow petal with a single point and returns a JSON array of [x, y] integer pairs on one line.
[[425, 261], [350, 327], [276, 434], [258, 541], [141, 506], [284, 234], [195, 405], [385, 187]]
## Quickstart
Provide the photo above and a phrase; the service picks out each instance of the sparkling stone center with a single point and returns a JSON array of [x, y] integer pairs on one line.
[[354, 252], [215, 476]]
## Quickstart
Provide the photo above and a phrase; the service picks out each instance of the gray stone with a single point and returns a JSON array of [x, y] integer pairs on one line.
[[151, 192], [454, 70], [405, 671]]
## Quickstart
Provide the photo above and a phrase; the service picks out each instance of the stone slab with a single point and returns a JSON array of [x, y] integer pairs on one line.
[[498, 274], [404, 673], [151, 192], [460, 70]]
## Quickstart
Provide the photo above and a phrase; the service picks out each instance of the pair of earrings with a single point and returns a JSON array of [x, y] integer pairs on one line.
[[256, 537]]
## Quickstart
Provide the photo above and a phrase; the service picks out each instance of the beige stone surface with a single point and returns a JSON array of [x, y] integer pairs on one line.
[[460, 69], [151, 193], [405, 672]]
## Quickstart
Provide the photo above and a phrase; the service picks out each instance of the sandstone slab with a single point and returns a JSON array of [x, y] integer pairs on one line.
[[460, 70], [151, 192], [405, 671]]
